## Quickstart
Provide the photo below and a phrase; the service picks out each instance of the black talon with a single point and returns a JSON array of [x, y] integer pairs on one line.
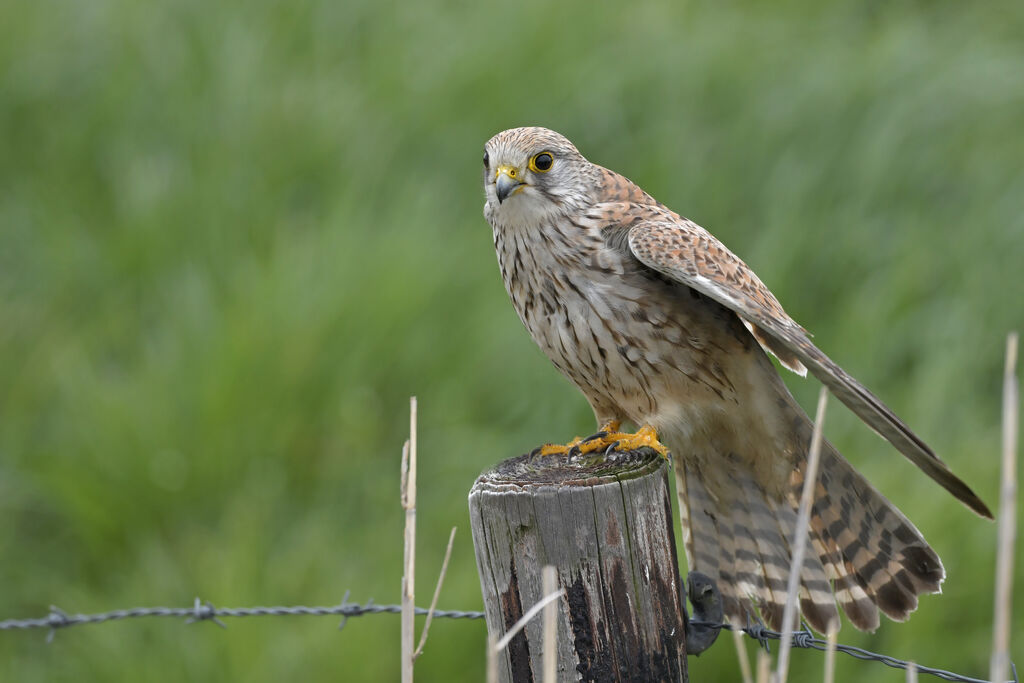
[[612, 447], [594, 437], [574, 451], [535, 452]]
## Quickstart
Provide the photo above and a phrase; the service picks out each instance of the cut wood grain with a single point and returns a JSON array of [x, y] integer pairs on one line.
[[605, 524]]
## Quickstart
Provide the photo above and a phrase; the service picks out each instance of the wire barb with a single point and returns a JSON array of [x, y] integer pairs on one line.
[[204, 611], [344, 614], [57, 618]]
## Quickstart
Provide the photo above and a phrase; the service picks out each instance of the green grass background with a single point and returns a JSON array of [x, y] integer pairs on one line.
[[235, 237]]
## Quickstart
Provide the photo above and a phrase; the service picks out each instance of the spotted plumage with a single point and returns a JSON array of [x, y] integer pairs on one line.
[[659, 324]]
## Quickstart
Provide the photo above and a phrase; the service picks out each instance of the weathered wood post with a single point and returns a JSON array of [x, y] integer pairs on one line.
[[606, 525]]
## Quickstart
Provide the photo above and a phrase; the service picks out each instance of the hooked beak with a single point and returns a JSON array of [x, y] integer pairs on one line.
[[506, 181]]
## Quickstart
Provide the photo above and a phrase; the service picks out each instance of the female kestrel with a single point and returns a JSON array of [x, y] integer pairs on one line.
[[659, 324]]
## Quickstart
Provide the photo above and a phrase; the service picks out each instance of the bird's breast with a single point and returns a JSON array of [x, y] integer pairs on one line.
[[629, 339]]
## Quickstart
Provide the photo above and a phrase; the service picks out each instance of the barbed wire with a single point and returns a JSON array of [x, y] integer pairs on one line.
[[205, 611], [807, 640]]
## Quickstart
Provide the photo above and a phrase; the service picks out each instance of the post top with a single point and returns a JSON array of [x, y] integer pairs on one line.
[[527, 471]]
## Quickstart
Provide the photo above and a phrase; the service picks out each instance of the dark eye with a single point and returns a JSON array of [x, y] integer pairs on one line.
[[542, 162], [487, 159]]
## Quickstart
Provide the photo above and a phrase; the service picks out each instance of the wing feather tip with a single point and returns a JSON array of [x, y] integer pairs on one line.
[[797, 367]]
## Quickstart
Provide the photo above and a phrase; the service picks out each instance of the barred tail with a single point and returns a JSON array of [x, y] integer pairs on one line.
[[862, 552]]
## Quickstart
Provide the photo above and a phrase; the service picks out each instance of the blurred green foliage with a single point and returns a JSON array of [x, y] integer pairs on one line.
[[235, 237]]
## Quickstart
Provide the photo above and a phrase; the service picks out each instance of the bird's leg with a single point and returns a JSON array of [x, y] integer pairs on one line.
[[609, 439]]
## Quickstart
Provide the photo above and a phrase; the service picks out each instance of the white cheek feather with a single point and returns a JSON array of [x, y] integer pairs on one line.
[[526, 207]]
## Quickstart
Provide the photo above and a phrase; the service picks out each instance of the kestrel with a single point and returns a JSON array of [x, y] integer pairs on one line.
[[659, 324]]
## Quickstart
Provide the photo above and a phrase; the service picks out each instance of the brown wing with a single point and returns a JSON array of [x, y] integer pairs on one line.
[[685, 252]]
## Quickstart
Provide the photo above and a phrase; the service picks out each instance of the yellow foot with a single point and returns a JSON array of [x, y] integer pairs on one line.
[[607, 440], [562, 449]]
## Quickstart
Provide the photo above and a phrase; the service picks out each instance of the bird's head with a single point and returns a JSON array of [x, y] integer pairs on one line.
[[531, 174]]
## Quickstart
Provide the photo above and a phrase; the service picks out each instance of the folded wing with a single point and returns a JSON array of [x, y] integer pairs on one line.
[[685, 252]]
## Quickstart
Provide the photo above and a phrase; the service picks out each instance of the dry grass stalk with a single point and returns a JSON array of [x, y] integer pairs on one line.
[[911, 672], [800, 539], [830, 654], [408, 489], [550, 651], [999, 664], [437, 594], [523, 620], [741, 655], [764, 666], [492, 660]]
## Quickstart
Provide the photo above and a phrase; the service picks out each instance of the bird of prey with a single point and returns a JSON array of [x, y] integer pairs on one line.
[[660, 325]]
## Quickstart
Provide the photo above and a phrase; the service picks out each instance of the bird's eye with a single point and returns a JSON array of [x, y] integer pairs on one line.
[[487, 159], [542, 162]]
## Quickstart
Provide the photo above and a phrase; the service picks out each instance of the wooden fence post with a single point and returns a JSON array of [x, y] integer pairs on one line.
[[606, 526]]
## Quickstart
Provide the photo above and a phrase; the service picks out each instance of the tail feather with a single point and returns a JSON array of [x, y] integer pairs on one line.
[[858, 605], [759, 558], [817, 602], [773, 524], [732, 602], [863, 553], [709, 543], [883, 548]]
